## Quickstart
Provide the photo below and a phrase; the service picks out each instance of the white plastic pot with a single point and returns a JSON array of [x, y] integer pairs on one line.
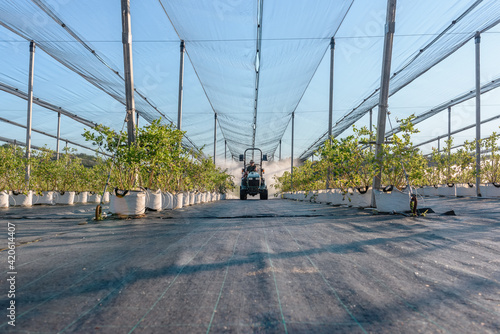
[[361, 198], [25, 200], [106, 197], [391, 201], [490, 190], [4, 199], [65, 197], [94, 198], [132, 203], [45, 198], [334, 196], [447, 190], [428, 191], [322, 196], [178, 200], [465, 190], [81, 197], [167, 201], [154, 200], [185, 199], [192, 196]]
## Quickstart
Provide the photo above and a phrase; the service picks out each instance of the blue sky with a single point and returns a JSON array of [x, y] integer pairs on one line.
[[293, 50]]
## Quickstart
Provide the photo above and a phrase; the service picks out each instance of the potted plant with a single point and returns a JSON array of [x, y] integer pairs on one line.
[[491, 167], [43, 176], [465, 170], [129, 199], [445, 162], [14, 166], [402, 168]]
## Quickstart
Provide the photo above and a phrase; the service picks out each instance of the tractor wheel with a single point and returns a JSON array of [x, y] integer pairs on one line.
[[243, 194], [263, 195]]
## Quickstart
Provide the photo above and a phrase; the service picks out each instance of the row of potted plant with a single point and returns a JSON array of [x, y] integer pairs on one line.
[[155, 163], [350, 166]]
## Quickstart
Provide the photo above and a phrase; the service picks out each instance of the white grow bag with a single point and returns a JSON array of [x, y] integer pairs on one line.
[[154, 200], [45, 198], [394, 200], [322, 196], [106, 197], [185, 199], [4, 199], [446, 190], [81, 197], [131, 203], [428, 191], [490, 190], [65, 197], [21, 199], [94, 198], [178, 200], [361, 198], [335, 197], [192, 196], [167, 201], [465, 190]]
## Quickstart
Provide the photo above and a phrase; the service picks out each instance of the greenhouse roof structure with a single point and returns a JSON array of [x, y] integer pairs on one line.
[[252, 65]]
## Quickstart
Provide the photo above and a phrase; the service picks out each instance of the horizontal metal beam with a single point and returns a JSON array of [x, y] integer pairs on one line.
[[444, 106], [457, 131], [46, 105], [49, 135]]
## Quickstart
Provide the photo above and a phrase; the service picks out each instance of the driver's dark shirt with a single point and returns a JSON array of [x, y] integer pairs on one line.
[[251, 168]]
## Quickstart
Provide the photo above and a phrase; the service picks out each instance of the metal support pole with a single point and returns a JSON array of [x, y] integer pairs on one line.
[[128, 67], [449, 137], [181, 87], [371, 127], [478, 113], [30, 111], [225, 150], [137, 119], [291, 168], [58, 134], [280, 149], [215, 135], [330, 104], [384, 90], [439, 144]]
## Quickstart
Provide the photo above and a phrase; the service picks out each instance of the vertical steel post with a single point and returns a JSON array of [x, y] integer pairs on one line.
[[384, 90], [439, 144], [30, 112], [280, 149], [128, 69], [478, 113], [291, 168], [58, 134], [215, 135], [371, 127], [330, 104], [181, 87], [449, 137]]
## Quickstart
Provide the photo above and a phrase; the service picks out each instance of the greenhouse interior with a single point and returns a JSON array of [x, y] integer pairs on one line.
[[250, 166], [296, 81]]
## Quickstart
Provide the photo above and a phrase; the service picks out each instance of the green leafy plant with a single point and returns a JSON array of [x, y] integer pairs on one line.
[[491, 160]]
